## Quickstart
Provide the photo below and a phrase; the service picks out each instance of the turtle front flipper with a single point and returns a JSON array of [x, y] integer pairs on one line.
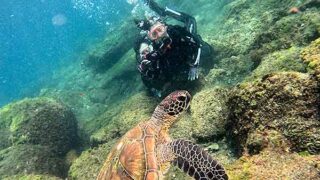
[[196, 162]]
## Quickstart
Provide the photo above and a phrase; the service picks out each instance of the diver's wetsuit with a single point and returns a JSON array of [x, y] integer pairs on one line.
[[175, 55]]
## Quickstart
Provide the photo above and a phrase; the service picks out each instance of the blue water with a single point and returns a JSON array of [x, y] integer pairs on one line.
[[39, 35]]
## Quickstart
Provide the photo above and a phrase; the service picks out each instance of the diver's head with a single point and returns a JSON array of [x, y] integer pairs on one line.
[[158, 31]]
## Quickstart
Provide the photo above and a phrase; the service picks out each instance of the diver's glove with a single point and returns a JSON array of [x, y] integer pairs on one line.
[[193, 73], [144, 66]]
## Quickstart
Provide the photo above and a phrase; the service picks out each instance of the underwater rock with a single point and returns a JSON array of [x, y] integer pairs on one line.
[[285, 102], [311, 56], [117, 121], [118, 43], [39, 121], [30, 159], [288, 31], [279, 61], [272, 164], [229, 71], [31, 177], [208, 112], [88, 165]]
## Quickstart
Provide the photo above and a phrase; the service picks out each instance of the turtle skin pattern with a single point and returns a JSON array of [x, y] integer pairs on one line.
[[196, 162]]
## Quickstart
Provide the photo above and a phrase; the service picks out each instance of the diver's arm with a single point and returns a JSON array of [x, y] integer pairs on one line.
[[189, 21]]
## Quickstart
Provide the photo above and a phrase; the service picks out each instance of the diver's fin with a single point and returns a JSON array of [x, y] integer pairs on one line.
[[192, 159]]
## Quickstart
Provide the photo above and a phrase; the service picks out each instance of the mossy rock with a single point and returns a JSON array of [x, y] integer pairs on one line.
[[136, 109], [30, 159], [271, 164], [311, 56], [207, 117], [88, 165], [39, 121], [293, 30], [32, 177], [285, 102], [279, 61], [229, 71]]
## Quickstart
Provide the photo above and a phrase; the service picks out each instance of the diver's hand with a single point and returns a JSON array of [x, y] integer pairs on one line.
[[144, 65], [193, 73]]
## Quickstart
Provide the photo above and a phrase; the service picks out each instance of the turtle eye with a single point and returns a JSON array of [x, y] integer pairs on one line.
[[181, 98]]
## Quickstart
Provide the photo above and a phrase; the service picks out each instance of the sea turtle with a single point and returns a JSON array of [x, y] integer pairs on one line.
[[146, 151]]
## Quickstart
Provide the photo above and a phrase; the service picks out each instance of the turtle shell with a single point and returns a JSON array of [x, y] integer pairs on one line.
[[133, 157]]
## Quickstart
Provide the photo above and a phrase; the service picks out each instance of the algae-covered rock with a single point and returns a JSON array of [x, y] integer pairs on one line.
[[108, 52], [279, 61], [32, 177], [311, 56], [271, 164], [289, 31], [30, 159], [88, 165], [229, 71], [285, 102], [122, 118], [39, 121], [209, 113]]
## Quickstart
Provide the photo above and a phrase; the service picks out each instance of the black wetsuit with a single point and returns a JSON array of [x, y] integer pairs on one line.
[[174, 58]]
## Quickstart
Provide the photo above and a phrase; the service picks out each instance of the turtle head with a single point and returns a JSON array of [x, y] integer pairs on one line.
[[172, 106]]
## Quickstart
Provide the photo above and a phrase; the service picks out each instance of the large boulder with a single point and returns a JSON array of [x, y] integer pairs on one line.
[[284, 102], [39, 121]]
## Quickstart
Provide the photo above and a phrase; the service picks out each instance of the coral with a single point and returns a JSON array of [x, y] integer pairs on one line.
[[279, 61], [311, 56], [286, 102], [39, 121], [271, 164], [30, 159]]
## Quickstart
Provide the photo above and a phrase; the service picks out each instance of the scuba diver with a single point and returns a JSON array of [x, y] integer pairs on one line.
[[166, 52]]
